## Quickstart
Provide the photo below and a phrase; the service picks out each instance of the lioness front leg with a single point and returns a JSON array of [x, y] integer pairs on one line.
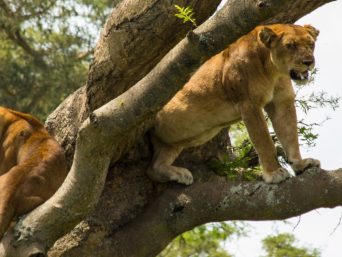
[[259, 135], [162, 170], [284, 120]]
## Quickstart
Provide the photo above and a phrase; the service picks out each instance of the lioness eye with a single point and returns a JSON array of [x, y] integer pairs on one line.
[[291, 46]]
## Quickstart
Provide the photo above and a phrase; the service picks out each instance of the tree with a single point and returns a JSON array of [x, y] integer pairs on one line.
[[43, 58], [282, 245], [202, 241], [135, 217]]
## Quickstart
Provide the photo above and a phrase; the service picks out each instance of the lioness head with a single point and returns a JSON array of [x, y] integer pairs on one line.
[[291, 48]]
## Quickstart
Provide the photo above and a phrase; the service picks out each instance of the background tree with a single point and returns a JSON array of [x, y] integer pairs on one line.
[[45, 50], [204, 241], [123, 223], [282, 245], [207, 241]]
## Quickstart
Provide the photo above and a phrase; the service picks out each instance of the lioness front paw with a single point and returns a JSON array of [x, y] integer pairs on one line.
[[182, 176], [302, 165], [276, 176]]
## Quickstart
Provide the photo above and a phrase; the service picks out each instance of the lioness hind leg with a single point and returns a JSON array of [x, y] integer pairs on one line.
[[7, 211], [161, 169], [29, 203], [6, 216]]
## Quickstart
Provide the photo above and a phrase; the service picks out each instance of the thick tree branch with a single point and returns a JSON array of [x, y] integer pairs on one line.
[[181, 208], [114, 62], [100, 136]]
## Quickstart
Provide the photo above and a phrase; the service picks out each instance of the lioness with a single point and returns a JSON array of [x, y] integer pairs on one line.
[[252, 74], [32, 165]]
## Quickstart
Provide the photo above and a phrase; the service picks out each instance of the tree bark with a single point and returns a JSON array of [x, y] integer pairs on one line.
[[104, 136], [181, 208]]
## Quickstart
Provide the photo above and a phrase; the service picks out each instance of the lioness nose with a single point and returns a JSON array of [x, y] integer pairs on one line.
[[308, 62]]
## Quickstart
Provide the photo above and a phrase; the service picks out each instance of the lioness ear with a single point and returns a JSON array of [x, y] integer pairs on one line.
[[312, 31], [268, 37]]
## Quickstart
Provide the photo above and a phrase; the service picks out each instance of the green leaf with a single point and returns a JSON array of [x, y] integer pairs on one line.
[[185, 14]]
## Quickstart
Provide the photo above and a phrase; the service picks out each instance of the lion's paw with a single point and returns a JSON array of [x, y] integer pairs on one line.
[[302, 165], [276, 176], [182, 176]]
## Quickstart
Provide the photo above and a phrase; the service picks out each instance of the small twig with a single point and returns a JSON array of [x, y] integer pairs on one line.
[[338, 224], [293, 229]]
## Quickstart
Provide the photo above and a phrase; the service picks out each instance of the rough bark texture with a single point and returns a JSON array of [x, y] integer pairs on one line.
[[135, 217], [180, 208]]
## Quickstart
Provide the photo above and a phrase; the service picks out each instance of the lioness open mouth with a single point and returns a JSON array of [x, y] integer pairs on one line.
[[299, 76]]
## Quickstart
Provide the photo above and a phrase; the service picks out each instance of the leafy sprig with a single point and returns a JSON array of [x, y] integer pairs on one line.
[[243, 167], [185, 14]]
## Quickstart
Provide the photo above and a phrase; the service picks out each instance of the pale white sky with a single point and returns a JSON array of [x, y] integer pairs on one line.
[[314, 228]]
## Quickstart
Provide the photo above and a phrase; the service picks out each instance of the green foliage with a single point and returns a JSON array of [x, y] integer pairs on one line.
[[309, 101], [203, 241], [306, 133], [283, 245], [45, 49], [240, 167], [185, 14], [317, 100]]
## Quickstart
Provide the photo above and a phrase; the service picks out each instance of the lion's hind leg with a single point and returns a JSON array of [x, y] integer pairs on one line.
[[16, 196], [6, 216], [162, 170], [7, 195]]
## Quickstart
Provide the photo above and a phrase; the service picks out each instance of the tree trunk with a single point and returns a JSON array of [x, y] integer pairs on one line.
[[135, 217]]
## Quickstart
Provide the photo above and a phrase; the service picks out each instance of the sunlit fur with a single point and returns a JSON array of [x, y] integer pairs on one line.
[[32, 165], [251, 75]]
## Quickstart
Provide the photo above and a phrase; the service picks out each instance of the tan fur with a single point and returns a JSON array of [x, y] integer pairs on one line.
[[32, 165], [251, 75]]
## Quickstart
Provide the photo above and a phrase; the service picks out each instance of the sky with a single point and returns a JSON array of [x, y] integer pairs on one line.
[[319, 228]]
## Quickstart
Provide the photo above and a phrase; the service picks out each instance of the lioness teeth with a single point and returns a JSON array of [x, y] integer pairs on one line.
[[299, 75], [305, 75]]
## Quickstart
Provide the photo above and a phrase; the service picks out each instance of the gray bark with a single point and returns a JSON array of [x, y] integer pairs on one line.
[[111, 128], [180, 208]]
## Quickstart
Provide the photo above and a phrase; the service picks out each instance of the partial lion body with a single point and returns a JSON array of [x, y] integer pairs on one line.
[[250, 76], [190, 112], [32, 165]]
